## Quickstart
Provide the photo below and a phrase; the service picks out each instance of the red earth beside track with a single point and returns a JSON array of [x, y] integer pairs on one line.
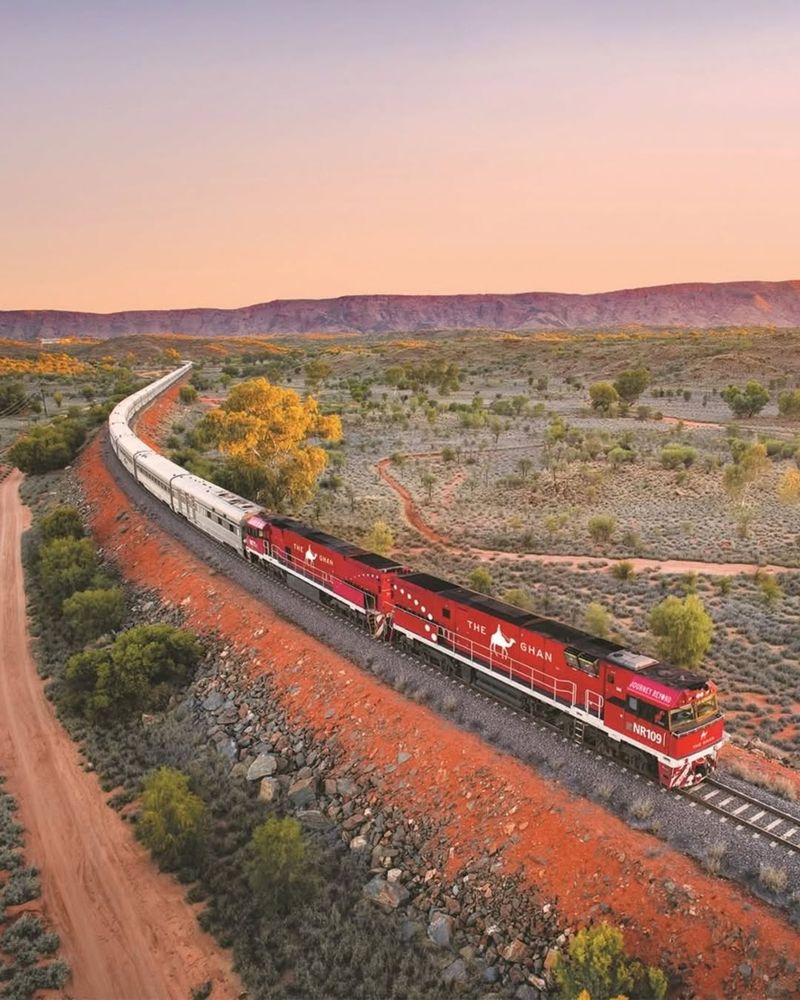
[[567, 847]]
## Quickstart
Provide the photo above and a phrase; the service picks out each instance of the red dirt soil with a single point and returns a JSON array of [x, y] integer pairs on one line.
[[566, 847], [125, 929]]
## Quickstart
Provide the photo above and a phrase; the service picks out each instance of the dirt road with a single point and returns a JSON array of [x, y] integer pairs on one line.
[[126, 930], [413, 517]]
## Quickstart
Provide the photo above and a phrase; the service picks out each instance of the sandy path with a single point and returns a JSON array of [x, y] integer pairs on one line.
[[125, 929], [417, 521]]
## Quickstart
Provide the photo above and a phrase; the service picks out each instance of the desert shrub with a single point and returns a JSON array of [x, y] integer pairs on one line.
[[675, 455], [187, 393], [596, 964], [281, 870], [22, 886], [66, 565], [771, 591], [172, 820], [603, 396], [380, 538], [480, 579], [789, 487], [714, 856], [27, 939], [683, 630], [520, 597], [623, 570], [90, 613], [136, 673], [642, 808], [789, 403], [772, 878], [602, 527], [597, 620], [52, 446], [631, 383], [61, 522]]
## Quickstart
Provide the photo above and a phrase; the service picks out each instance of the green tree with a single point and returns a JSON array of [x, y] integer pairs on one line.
[[61, 522], [480, 579], [597, 620], [602, 528], [315, 373], [771, 590], [65, 566], [282, 869], [428, 480], [172, 820], [789, 487], [603, 396], [136, 673], [379, 538], [683, 630], [596, 965], [747, 400], [524, 465], [51, 446], [631, 383], [91, 613]]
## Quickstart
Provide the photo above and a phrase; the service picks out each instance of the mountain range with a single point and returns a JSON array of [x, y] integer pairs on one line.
[[701, 305]]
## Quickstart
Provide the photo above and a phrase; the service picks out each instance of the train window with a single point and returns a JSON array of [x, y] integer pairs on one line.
[[706, 707], [644, 710], [572, 659], [611, 678], [587, 664], [230, 527], [681, 717], [445, 612], [633, 704]]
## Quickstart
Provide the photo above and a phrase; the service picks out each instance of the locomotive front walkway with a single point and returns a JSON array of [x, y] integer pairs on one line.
[[125, 929]]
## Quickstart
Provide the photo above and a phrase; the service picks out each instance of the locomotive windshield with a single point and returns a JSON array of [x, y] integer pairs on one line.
[[680, 718]]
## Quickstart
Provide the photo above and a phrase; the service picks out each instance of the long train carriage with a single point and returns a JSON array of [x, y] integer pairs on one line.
[[650, 715]]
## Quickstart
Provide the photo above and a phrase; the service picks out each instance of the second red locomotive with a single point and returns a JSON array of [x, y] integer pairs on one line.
[[653, 717]]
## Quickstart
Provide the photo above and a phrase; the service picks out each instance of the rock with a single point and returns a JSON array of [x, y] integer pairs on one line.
[[264, 766], [303, 792], [402, 757], [346, 786], [359, 844], [394, 874], [440, 929], [517, 951], [745, 970], [455, 973], [228, 749], [525, 992], [387, 895], [269, 790], [550, 959], [491, 974], [214, 701], [312, 818]]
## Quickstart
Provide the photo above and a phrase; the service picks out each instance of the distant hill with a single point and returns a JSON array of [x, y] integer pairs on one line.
[[733, 303]]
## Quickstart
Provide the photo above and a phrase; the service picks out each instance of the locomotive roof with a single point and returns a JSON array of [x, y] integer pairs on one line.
[[371, 559], [665, 673]]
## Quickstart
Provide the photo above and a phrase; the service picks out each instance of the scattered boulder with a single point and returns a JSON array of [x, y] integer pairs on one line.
[[214, 701], [517, 951], [440, 929], [264, 766], [387, 895], [269, 790], [303, 792], [455, 974], [525, 992]]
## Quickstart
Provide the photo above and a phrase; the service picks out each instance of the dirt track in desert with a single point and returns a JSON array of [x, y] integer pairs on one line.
[[125, 929]]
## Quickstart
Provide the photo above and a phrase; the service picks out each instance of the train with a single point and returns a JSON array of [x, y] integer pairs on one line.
[[652, 717]]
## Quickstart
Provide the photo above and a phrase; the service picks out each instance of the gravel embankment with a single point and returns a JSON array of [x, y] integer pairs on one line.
[[687, 827]]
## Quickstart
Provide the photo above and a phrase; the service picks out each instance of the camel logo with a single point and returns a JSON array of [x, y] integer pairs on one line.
[[311, 557], [500, 642]]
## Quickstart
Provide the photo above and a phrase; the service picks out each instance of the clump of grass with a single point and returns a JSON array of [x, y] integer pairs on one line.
[[714, 856], [642, 808], [772, 878]]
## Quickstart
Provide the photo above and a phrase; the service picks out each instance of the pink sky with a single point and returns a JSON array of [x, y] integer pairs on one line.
[[209, 154]]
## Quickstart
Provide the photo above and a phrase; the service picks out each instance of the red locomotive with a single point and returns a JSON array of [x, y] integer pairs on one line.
[[651, 716]]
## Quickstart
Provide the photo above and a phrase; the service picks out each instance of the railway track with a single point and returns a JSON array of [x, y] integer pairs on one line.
[[744, 811]]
